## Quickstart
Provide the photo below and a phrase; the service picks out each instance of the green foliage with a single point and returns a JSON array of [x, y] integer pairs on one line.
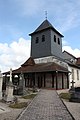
[[18, 105], [65, 95], [31, 96]]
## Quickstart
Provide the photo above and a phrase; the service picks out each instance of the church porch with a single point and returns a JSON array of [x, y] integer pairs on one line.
[[56, 80], [43, 75]]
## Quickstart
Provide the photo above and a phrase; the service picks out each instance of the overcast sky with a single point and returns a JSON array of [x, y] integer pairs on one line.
[[18, 18]]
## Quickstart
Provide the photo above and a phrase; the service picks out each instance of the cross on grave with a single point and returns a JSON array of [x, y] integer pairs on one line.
[[11, 75], [72, 83]]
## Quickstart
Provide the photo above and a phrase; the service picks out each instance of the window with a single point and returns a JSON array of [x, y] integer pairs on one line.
[[43, 38], [37, 40], [58, 41], [77, 74], [72, 74], [54, 38]]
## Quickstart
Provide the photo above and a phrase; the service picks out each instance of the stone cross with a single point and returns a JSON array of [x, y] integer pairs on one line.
[[72, 84], [10, 74], [9, 89]]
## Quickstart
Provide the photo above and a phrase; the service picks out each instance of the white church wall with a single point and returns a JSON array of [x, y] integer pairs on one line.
[[50, 59], [74, 76]]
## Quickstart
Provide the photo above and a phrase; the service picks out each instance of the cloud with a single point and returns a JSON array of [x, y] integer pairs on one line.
[[75, 52], [65, 46], [14, 54], [64, 42]]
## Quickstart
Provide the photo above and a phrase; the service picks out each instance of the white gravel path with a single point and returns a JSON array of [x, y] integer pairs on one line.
[[74, 109], [7, 113]]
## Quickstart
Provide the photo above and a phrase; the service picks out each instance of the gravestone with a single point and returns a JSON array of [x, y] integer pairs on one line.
[[75, 95], [9, 89], [1, 81], [21, 87]]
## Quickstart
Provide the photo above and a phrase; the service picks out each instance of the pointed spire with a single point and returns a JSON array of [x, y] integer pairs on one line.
[[45, 25]]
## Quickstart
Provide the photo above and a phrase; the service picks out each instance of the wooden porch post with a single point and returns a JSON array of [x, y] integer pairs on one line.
[[44, 81], [18, 79], [67, 81], [62, 82], [52, 80], [56, 80], [28, 81], [34, 79]]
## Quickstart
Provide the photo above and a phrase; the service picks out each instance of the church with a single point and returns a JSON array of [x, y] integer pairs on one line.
[[46, 67]]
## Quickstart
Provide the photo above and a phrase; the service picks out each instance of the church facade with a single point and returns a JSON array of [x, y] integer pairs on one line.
[[48, 66]]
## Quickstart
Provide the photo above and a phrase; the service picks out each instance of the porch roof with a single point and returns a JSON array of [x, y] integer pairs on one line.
[[45, 67], [30, 67]]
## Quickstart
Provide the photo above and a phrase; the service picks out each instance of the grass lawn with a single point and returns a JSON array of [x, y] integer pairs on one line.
[[31, 96], [18, 105], [65, 96]]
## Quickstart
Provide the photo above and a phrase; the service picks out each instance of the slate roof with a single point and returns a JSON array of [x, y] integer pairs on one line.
[[69, 54], [45, 25], [29, 62]]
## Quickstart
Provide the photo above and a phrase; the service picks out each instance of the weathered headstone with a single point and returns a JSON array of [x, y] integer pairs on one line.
[[21, 84], [1, 81], [9, 89]]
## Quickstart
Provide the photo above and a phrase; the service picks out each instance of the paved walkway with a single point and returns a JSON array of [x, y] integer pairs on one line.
[[46, 106]]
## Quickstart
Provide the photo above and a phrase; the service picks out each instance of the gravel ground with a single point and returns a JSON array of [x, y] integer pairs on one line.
[[7, 113], [74, 108], [10, 115]]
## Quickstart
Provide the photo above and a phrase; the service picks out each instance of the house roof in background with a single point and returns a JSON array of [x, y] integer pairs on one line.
[[69, 54]]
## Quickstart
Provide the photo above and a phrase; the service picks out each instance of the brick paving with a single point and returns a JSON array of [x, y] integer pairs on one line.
[[46, 106]]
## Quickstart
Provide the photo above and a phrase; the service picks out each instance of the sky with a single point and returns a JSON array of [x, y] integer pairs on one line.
[[19, 18]]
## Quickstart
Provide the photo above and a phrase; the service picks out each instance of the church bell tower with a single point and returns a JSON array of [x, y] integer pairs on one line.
[[46, 41]]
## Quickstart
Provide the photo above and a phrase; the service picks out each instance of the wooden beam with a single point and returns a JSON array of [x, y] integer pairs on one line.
[[56, 80], [62, 82], [52, 80], [44, 80]]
